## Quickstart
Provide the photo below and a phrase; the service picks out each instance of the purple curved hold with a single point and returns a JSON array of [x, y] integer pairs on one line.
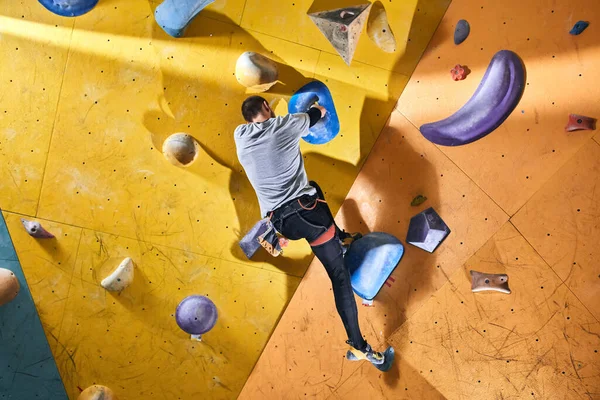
[[494, 100], [196, 315]]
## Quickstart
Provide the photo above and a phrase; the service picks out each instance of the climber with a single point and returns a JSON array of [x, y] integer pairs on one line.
[[268, 148]]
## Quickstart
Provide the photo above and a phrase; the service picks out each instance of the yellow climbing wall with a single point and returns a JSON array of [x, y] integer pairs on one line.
[[87, 103]]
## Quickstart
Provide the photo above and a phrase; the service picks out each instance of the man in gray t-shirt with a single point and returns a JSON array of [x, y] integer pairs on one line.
[[268, 148]]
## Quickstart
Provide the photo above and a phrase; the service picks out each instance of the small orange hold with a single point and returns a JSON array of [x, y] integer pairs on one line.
[[458, 72]]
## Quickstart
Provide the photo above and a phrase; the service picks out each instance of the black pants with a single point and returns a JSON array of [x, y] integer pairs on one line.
[[309, 220]]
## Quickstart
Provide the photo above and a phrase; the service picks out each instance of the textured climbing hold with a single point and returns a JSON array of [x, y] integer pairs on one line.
[[174, 16], [370, 260], [461, 32], [196, 315], [580, 122], [36, 230], [378, 29], [458, 73], [579, 27], [181, 149], [342, 27], [256, 71], [69, 8], [317, 92], [418, 200], [9, 286], [494, 100], [427, 230], [97, 392], [481, 282], [121, 277]]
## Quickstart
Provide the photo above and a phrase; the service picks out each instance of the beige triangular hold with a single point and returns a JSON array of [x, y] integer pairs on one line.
[[342, 27], [120, 278], [378, 29]]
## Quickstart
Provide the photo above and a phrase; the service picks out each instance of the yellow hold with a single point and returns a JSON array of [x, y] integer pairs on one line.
[[378, 29], [181, 149]]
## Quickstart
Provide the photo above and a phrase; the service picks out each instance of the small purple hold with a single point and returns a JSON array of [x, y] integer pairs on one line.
[[461, 32], [579, 27], [196, 315]]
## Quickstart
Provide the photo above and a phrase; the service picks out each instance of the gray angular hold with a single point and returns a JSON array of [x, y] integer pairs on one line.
[[462, 31], [427, 230], [342, 27]]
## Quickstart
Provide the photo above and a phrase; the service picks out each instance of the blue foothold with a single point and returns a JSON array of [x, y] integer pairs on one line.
[[174, 16], [371, 260], [579, 27], [461, 32]]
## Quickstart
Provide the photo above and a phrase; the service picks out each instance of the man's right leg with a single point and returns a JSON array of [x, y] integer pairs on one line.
[[343, 236], [331, 256]]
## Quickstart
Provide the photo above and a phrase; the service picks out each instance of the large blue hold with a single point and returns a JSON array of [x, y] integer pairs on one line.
[[27, 367], [69, 8], [316, 92], [174, 16], [371, 260]]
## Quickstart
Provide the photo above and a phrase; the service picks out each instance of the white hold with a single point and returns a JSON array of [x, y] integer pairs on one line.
[[197, 338], [35, 229], [256, 71], [120, 278], [181, 149]]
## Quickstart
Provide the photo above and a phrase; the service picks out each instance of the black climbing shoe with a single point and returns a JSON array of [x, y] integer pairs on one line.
[[381, 361], [346, 239], [374, 357]]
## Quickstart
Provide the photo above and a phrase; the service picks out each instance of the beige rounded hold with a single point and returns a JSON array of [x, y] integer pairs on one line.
[[378, 29], [256, 71], [97, 392], [9, 286], [181, 149]]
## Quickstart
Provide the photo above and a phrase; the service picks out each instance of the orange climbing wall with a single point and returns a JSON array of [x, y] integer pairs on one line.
[[86, 107], [521, 201]]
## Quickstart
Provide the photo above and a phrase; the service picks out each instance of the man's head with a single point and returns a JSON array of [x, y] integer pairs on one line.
[[256, 109]]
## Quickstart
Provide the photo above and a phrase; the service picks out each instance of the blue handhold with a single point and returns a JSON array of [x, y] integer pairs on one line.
[[69, 8], [579, 27], [461, 32], [371, 260], [329, 126], [174, 16]]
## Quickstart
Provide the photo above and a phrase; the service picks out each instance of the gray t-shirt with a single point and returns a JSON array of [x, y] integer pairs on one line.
[[270, 154]]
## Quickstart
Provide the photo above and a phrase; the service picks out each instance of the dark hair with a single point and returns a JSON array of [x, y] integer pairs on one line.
[[251, 107]]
